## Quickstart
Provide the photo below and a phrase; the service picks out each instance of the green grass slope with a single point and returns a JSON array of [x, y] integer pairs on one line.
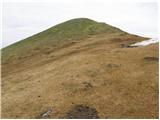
[[57, 35]]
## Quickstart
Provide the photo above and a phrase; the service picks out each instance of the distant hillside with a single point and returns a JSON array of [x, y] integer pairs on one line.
[[58, 35]]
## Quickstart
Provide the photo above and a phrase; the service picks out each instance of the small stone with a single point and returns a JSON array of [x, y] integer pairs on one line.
[[45, 114]]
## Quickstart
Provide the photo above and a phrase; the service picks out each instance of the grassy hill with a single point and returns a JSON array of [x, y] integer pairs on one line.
[[74, 29], [80, 69]]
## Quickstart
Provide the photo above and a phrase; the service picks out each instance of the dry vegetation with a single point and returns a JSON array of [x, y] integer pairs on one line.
[[95, 77]]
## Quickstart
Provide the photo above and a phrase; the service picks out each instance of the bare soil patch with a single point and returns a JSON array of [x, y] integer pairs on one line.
[[82, 112]]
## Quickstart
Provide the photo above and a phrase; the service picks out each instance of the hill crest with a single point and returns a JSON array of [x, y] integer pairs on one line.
[[73, 29]]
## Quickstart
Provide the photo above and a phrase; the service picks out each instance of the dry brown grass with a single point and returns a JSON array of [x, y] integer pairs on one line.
[[97, 72]]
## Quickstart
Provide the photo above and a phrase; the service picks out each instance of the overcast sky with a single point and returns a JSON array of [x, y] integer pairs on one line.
[[23, 19]]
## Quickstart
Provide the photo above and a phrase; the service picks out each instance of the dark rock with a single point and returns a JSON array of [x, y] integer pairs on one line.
[[127, 46], [82, 112], [87, 84]]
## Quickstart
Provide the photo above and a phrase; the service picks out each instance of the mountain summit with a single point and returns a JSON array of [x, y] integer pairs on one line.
[[80, 27], [58, 35]]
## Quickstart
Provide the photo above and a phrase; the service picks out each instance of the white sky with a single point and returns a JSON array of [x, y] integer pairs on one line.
[[23, 19]]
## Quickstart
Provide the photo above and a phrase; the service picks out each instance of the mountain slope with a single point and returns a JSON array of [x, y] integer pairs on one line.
[[70, 30], [80, 69]]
